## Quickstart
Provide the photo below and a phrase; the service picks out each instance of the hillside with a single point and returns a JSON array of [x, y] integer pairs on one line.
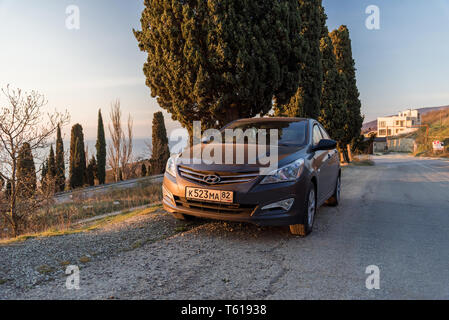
[[438, 122], [372, 125]]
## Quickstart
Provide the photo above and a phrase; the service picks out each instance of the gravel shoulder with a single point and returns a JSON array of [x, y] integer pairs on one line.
[[37, 261]]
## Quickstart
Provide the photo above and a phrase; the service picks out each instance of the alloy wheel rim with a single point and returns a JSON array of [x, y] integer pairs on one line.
[[311, 209]]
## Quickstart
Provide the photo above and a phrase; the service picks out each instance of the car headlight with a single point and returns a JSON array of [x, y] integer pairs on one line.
[[290, 172], [170, 168]]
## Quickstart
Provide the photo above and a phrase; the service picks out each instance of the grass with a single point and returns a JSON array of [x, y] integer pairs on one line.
[[64, 263], [63, 216], [180, 229], [83, 228], [438, 122], [44, 269], [84, 259]]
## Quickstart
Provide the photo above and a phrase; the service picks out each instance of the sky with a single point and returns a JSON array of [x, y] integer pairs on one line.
[[402, 65]]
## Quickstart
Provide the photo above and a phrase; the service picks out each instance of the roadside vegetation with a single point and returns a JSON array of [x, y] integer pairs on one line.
[[438, 122], [68, 218], [59, 217]]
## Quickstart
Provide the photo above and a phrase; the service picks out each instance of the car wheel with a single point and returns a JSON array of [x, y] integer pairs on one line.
[[335, 199], [309, 218]]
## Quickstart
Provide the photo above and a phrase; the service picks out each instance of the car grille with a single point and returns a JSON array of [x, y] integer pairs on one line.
[[198, 176], [224, 208]]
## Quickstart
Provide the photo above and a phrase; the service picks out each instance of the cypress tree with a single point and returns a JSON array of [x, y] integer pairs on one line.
[[26, 172], [216, 61], [143, 170], [306, 101], [51, 164], [77, 157], [346, 66], [101, 151], [90, 172], [160, 151], [60, 163], [333, 113], [44, 173]]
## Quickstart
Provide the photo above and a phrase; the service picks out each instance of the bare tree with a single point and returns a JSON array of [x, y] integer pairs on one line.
[[115, 130], [121, 149], [128, 165], [22, 122]]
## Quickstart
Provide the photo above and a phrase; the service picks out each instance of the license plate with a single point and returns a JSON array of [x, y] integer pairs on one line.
[[209, 195]]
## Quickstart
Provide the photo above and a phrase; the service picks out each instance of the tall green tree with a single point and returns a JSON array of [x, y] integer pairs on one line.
[[77, 157], [346, 66], [333, 113], [218, 60], [91, 171], [101, 151], [44, 174], [60, 163], [51, 164], [143, 170], [306, 101], [160, 152], [26, 172]]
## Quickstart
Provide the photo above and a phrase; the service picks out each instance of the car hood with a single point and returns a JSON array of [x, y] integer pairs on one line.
[[250, 164]]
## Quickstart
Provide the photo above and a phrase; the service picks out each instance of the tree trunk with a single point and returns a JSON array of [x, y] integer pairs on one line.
[[349, 153], [344, 157]]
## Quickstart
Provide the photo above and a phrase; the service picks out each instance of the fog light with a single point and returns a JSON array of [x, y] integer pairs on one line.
[[283, 204], [168, 195]]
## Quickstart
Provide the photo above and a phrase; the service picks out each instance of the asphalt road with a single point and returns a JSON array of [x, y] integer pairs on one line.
[[394, 215]]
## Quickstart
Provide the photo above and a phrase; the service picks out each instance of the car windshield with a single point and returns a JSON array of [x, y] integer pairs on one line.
[[289, 133]]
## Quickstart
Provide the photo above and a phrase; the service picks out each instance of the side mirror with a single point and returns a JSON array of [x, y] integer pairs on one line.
[[325, 144]]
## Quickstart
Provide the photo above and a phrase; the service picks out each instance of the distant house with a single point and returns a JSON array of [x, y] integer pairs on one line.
[[380, 144], [405, 122]]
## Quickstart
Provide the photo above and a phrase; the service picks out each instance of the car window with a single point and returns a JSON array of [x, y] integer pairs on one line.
[[316, 135], [324, 133], [290, 133]]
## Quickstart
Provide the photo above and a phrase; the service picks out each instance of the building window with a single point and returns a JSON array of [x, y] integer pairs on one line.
[[382, 132], [382, 124]]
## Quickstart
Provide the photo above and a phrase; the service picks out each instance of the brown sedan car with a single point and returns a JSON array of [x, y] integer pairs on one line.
[[308, 175]]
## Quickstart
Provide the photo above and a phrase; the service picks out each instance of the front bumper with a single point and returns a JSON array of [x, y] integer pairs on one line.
[[249, 198]]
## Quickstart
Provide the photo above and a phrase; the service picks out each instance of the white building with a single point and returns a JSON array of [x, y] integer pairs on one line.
[[405, 122]]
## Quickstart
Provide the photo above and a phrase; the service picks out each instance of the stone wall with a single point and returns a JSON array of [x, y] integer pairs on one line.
[[400, 144]]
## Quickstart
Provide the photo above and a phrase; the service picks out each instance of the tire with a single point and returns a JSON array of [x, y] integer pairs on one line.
[[310, 212], [335, 199]]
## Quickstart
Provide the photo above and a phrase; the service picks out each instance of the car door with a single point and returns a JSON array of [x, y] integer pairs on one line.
[[332, 163], [320, 159]]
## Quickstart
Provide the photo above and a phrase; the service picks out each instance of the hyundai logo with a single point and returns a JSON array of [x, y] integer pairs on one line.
[[212, 179]]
